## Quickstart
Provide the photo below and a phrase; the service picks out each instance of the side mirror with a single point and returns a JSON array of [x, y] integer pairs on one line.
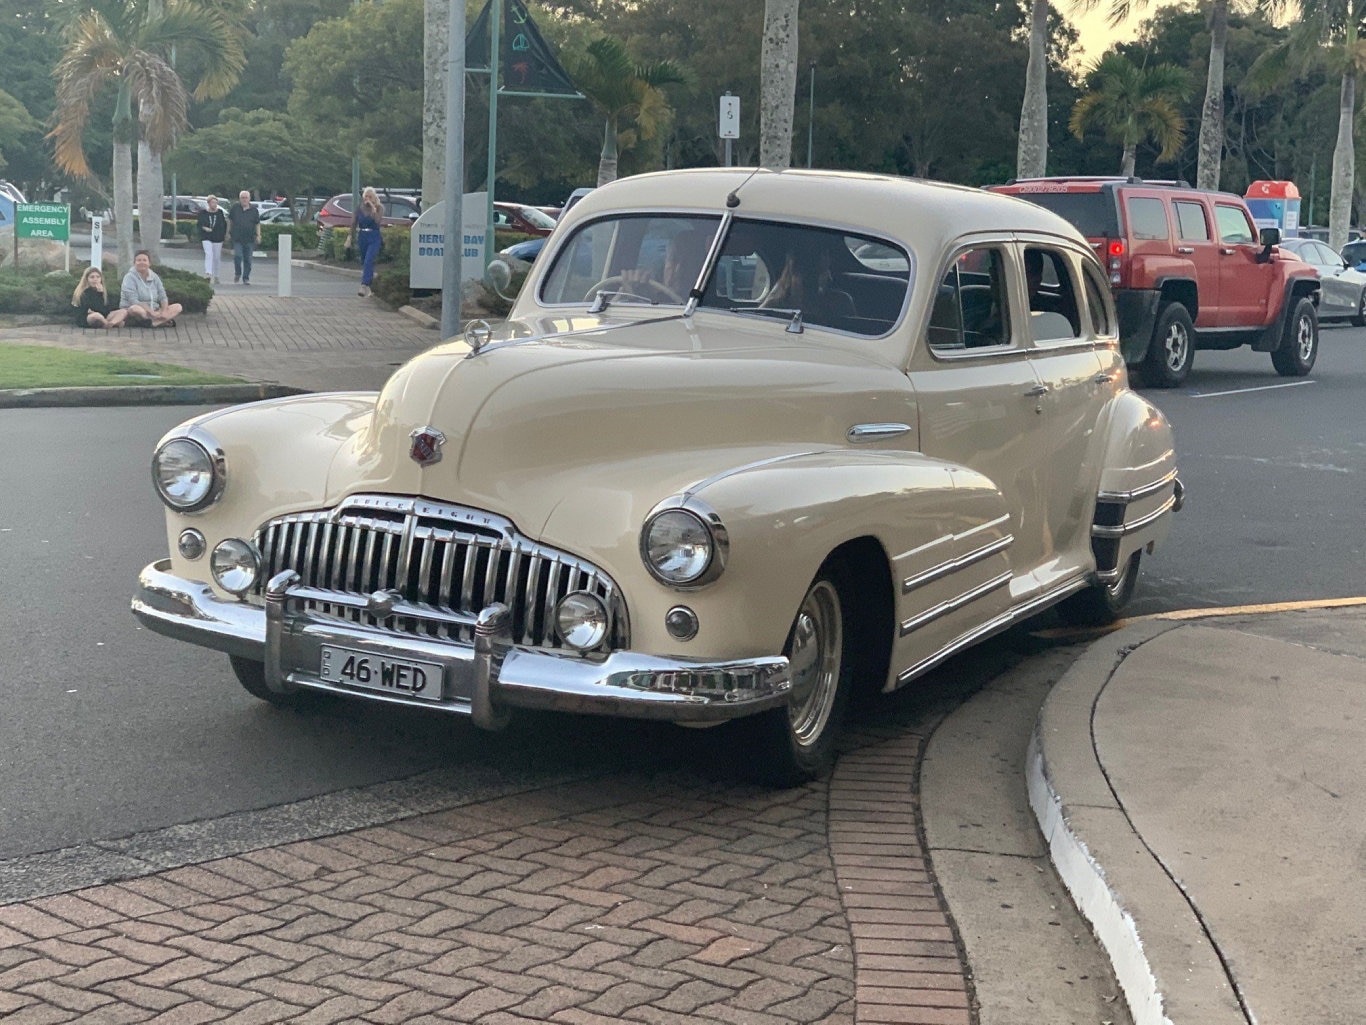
[[498, 276], [1270, 236]]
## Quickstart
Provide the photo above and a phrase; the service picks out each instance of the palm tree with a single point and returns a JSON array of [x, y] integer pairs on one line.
[[1211, 147], [1031, 155], [1327, 33], [777, 83], [124, 44], [623, 90], [1130, 105]]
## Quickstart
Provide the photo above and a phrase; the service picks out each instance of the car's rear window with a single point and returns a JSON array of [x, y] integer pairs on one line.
[[1093, 213]]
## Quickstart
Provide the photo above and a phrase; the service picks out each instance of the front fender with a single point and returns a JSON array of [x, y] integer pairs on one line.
[[784, 517]]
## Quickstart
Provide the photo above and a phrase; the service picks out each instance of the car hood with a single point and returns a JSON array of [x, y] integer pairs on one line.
[[630, 411]]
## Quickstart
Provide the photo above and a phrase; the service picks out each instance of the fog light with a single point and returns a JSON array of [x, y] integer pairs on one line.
[[581, 620], [235, 564], [681, 622], [191, 544]]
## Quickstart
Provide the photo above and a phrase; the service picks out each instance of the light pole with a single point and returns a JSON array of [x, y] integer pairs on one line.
[[811, 115]]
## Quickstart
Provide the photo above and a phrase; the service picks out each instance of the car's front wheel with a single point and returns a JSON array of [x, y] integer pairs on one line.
[[1299, 346], [252, 676], [1102, 604], [1169, 357], [1359, 318], [795, 744]]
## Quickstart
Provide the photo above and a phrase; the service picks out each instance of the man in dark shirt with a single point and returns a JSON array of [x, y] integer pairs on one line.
[[244, 222], [213, 229]]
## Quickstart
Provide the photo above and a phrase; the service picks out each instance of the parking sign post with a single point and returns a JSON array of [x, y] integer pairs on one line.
[[729, 124], [97, 242]]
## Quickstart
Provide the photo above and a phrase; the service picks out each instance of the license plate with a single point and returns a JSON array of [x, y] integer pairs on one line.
[[401, 677]]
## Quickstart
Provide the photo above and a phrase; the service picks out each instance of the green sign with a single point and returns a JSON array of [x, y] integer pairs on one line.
[[42, 220]]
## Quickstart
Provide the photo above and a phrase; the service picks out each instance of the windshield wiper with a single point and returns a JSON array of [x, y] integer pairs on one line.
[[604, 298], [794, 325]]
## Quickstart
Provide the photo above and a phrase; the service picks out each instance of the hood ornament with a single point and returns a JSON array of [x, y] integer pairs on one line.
[[477, 335], [426, 447]]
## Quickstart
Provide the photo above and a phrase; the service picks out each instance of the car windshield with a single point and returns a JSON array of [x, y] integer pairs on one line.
[[800, 274], [537, 218]]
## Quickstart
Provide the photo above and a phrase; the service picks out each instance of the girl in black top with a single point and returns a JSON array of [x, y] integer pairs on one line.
[[92, 302]]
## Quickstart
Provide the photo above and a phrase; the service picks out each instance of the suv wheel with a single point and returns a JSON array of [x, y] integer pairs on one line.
[[1300, 343], [1169, 356]]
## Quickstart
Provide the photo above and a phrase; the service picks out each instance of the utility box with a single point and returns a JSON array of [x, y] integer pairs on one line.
[[1275, 204]]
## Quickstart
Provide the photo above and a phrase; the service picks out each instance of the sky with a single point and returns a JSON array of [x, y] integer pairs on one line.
[[1097, 35]]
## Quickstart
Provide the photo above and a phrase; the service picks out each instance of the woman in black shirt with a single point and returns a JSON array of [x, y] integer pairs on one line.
[[92, 302]]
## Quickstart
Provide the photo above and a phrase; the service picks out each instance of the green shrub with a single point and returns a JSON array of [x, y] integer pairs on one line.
[[305, 236], [33, 292], [391, 279], [332, 243]]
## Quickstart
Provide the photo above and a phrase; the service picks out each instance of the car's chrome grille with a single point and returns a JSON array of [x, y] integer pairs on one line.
[[442, 557]]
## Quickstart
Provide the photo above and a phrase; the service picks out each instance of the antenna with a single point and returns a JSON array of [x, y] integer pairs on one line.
[[733, 200]]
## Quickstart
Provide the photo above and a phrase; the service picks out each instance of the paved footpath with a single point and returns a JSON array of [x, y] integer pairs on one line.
[[645, 899]]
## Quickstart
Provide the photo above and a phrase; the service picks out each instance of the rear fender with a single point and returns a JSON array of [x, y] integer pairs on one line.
[[1138, 488]]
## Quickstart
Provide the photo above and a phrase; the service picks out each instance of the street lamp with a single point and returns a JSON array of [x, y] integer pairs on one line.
[[811, 115]]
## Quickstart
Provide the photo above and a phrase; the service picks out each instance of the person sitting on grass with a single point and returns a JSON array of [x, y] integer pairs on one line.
[[144, 296], [92, 302]]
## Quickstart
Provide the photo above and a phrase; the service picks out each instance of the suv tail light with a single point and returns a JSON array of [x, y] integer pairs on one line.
[[1115, 250]]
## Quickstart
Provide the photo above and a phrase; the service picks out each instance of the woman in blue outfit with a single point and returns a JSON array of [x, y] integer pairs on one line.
[[366, 232]]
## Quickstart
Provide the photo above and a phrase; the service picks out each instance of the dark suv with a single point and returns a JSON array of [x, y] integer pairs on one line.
[[1189, 270]]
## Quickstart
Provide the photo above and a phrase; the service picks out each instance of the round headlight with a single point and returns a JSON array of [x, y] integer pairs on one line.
[[234, 565], [581, 620], [677, 546], [185, 475]]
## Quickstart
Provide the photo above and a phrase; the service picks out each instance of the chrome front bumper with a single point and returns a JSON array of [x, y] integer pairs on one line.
[[482, 681]]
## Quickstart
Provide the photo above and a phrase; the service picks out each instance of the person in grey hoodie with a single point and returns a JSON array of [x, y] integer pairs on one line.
[[144, 296]]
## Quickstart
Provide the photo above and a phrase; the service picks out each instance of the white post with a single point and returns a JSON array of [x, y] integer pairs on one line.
[[286, 255], [97, 242]]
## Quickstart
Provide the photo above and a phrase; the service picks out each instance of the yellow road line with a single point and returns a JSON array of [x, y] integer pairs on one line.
[[1084, 633]]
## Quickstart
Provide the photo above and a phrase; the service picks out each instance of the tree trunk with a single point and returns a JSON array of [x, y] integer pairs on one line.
[[1211, 150], [435, 27], [123, 202], [1031, 155], [1344, 166], [607, 161], [149, 202], [777, 83], [1126, 164]]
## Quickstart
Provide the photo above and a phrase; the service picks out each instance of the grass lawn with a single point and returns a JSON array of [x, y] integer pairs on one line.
[[42, 366]]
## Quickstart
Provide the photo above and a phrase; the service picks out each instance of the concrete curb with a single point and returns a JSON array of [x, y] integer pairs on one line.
[[1165, 963], [327, 268], [418, 317], [144, 395]]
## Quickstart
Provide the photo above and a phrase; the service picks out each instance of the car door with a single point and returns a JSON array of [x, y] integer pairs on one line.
[[1244, 282], [978, 399], [1338, 291], [1195, 241], [1062, 350]]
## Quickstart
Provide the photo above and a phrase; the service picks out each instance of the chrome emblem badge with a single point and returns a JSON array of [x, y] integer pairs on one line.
[[426, 448]]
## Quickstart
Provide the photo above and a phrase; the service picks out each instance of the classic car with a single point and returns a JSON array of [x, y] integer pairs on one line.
[[740, 448]]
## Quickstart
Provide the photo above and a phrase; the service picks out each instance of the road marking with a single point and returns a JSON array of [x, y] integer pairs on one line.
[[1244, 391], [1080, 633]]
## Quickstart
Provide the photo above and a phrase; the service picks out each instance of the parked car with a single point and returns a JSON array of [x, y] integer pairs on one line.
[[1354, 253], [526, 251], [660, 490], [1189, 270], [1342, 289], [277, 215], [398, 210], [11, 192], [186, 207], [518, 217]]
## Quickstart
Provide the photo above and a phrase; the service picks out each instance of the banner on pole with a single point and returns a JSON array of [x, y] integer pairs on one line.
[[526, 61]]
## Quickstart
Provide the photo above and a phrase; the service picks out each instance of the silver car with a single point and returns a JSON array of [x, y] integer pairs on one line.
[[1342, 288]]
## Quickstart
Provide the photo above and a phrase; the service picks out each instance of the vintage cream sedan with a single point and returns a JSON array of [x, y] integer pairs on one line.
[[748, 441]]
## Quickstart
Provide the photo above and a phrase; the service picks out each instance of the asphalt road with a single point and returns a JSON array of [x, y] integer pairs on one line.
[[110, 730]]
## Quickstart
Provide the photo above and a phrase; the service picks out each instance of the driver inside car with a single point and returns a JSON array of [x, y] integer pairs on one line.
[[682, 264]]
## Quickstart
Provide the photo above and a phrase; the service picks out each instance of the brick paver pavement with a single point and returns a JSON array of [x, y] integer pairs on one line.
[[656, 900]]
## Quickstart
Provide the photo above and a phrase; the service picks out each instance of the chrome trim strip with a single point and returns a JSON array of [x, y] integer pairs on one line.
[[1002, 519], [860, 433], [953, 565], [993, 626], [1136, 493], [954, 604], [482, 679], [1132, 526]]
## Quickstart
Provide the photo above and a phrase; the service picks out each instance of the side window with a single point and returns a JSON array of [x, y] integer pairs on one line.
[[1326, 255], [1190, 221], [1234, 226], [1095, 302], [971, 310], [1053, 311], [1147, 218]]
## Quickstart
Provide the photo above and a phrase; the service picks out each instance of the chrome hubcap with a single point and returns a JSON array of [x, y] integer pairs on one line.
[[814, 656], [1304, 337], [1176, 345]]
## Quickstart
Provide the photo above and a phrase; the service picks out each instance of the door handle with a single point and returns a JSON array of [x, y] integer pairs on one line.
[[1103, 378], [1228, 252], [1037, 390], [1187, 250]]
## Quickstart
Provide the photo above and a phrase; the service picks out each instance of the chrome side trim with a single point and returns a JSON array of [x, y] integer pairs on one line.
[[998, 521], [1137, 493], [993, 626], [1132, 526], [953, 565], [954, 604], [861, 433]]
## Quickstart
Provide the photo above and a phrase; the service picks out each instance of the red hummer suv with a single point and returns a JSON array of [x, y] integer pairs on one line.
[[1189, 270]]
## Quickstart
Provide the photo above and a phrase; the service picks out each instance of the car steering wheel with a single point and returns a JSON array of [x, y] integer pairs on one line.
[[617, 282]]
